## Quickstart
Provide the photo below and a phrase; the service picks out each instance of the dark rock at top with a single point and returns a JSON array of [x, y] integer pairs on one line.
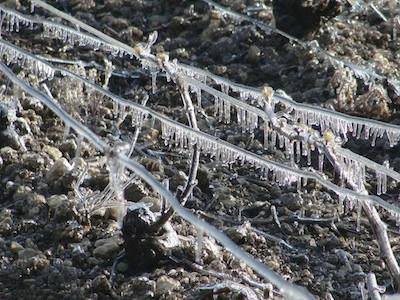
[[303, 17]]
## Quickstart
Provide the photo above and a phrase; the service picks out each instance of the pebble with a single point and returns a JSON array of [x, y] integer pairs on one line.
[[55, 201], [69, 147], [9, 137], [101, 284], [53, 152], [59, 169], [106, 248], [16, 247], [291, 201], [8, 154], [6, 221], [33, 161], [166, 284], [135, 192], [155, 203], [254, 54]]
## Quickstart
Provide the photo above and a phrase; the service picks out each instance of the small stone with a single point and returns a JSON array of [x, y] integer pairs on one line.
[[6, 221], [155, 203], [122, 267], [5, 225], [273, 264], [36, 199], [143, 286], [56, 201], [203, 178], [16, 247], [8, 154], [291, 201], [101, 284], [135, 192], [22, 193], [254, 54], [33, 161], [166, 284], [225, 197], [106, 250], [59, 169], [69, 147], [26, 253], [9, 137], [53, 152]]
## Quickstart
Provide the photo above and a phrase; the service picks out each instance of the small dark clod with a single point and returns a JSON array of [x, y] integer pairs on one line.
[[302, 17]]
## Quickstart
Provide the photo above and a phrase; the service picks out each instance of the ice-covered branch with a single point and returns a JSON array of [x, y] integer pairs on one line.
[[179, 135], [339, 123], [365, 73], [308, 114], [64, 33], [289, 290]]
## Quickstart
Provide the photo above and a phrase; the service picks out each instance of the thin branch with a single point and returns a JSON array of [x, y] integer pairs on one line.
[[373, 287]]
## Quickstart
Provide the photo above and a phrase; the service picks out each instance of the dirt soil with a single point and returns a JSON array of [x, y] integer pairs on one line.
[[50, 250]]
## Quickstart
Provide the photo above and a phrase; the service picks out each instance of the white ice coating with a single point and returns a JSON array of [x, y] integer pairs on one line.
[[14, 19], [74, 37], [356, 164], [308, 114], [54, 30], [182, 136], [24, 59]]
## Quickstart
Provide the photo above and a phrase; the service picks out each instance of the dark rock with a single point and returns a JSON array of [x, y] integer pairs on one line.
[[301, 17]]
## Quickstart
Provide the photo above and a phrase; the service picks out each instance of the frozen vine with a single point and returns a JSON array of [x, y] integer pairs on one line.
[[339, 123], [365, 73], [181, 136], [288, 290], [295, 138]]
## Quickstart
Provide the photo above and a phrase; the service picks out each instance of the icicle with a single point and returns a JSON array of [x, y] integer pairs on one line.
[[341, 204], [281, 140], [216, 106], [154, 81], [198, 94], [266, 134], [374, 136], [227, 112], [66, 133], [378, 183], [309, 157], [321, 162], [393, 137], [273, 140], [359, 211], [221, 110], [359, 130], [298, 151], [78, 151], [243, 118]]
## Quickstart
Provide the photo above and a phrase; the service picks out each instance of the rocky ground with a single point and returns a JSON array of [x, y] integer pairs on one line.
[[49, 249]]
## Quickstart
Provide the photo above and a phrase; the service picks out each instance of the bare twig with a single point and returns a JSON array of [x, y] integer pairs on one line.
[[373, 287]]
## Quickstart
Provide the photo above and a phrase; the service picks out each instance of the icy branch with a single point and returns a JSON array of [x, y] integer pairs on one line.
[[339, 123], [364, 73], [289, 290], [179, 135], [64, 33]]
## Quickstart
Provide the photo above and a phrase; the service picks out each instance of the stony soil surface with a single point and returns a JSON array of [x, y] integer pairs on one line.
[[50, 250]]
